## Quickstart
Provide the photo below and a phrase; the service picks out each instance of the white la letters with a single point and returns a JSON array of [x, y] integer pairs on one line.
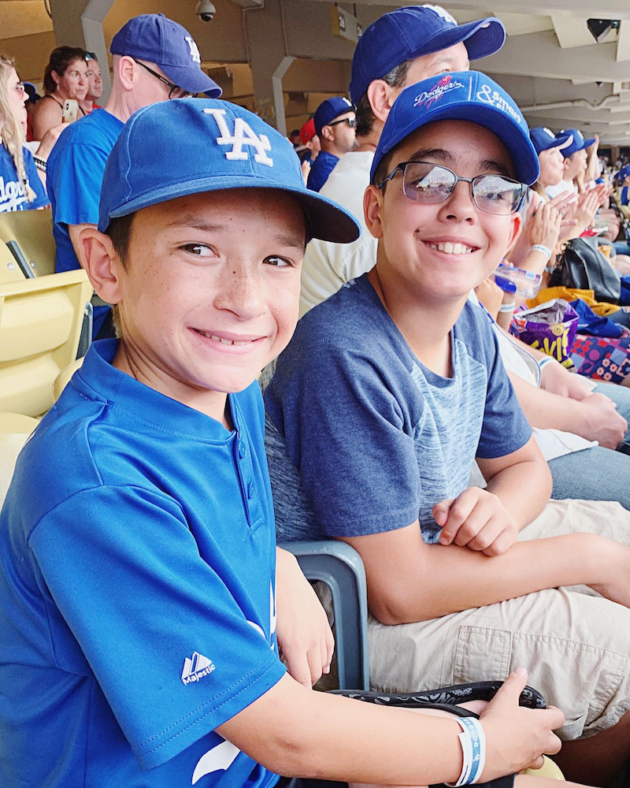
[[243, 135]]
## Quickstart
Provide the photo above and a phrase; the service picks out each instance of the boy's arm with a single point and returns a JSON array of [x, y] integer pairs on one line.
[[304, 636], [409, 580], [294, 732]]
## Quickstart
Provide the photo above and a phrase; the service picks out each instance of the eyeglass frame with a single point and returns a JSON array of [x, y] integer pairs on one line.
[[171, 85], [352, 122], [404, 164]]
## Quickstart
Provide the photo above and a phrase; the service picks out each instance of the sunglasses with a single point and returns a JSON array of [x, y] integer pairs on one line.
[[352, 122], [90, 56], [431, 183], [181, 93]]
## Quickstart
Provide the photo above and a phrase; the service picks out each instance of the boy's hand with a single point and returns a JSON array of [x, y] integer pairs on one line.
[[557, 379], [304, 635], [517, 738], [478, 520], [601, 421]]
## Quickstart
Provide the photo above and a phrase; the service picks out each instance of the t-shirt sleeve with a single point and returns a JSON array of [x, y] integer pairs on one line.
[[41, 199], [505, 428], [350, 441], [76, 182], [124, 570]]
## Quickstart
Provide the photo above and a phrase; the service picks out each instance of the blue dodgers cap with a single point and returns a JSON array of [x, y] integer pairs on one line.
[[170, 46], [544, 139], [578, 143], [414, 31], [186, 146], [330, 109], [461, 95]]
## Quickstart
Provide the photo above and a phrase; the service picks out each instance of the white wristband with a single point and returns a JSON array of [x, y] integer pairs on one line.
[[473, 741], [544, 361], [542, 249], [509, 307]]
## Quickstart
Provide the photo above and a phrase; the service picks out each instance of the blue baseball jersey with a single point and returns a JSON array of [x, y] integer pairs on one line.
[[362, 438], [12, 191], [137, 611], [74, 176], [321, 168]]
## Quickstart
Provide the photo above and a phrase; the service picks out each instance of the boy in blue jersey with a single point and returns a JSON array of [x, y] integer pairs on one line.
[[391, 389], [139, 591]]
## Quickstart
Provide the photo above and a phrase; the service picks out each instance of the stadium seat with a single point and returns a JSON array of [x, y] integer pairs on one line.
[[40, 328], [31, 234], [10, 271]]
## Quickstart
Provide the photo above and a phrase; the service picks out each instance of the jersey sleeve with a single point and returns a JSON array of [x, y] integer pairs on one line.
[[76, 184], [41, 198], [351, 443], [165, 638], [505, 428]]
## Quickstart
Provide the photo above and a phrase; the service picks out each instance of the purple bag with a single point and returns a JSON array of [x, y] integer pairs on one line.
[[550, 327]]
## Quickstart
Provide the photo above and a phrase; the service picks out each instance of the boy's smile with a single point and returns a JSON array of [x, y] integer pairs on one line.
[[209, 292], [442, 250]]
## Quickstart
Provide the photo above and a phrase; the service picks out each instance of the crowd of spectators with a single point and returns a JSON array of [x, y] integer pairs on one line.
[[484, 483]]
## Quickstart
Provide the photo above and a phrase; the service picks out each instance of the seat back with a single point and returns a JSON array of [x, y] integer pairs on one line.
[[32, 232], [40, 327], [10, 271]]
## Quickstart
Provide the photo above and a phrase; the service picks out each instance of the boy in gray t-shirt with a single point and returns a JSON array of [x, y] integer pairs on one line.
[[387, 393]]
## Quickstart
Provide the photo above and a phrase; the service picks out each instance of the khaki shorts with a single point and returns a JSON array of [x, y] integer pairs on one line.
[[574, 643]]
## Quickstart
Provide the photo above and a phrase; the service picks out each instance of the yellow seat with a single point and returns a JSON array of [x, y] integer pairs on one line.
[[10, 271], [63, 378], [32, 231], [40, 327], [549, 769]]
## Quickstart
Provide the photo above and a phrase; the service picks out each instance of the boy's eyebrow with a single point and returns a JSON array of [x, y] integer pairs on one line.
[[198, 224], [443, 155], [490, 164]]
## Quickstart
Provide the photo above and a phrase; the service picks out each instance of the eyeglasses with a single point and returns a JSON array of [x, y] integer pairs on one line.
[[352, 122], [181, 93], [431, 183]]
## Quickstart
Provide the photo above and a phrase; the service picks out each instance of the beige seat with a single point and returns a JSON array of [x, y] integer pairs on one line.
[[32, 231], [40, 327], [10, 271]]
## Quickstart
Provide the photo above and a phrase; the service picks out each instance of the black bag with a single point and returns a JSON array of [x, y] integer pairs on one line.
[[584, 267]]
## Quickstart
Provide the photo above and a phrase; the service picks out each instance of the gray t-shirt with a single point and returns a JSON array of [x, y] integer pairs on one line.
[[363, 438]]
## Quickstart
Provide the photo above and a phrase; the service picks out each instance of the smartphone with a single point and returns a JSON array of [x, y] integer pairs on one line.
[[70, 110]]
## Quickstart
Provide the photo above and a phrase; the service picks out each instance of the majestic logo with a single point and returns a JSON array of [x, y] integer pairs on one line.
[[429, 97], [495, 99], [441, 12], [196, 668], [194, 50], [243, 135]]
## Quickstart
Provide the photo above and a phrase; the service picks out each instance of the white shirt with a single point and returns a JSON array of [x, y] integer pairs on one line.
[[563, 186], [328, 266]]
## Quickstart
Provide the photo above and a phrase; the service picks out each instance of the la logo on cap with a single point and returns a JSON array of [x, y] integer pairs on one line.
[[194, 49], [429, 97], [243, 135], [441, 12]]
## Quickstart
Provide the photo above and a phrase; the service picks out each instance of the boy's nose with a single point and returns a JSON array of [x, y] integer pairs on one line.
[[460, 204], [240, 293]]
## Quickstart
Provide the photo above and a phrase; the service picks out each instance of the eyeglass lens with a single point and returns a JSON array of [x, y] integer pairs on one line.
[[430, 183]]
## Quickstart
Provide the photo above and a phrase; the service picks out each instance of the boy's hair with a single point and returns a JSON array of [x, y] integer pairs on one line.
[[395, 78], [119, 232], [11, 135]]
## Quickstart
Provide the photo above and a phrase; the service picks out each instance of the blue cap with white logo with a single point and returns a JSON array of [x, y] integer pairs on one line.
[[578, 143], [461, 95], [330, 109], [170, 46], [186, 146], [544, 139], [413, 31]]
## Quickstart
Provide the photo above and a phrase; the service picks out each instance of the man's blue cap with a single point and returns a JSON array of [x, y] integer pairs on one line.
[[330, 109], [461, 95], [186, 146], [170, 46], [544, 139], [414, 31], [578, 143]]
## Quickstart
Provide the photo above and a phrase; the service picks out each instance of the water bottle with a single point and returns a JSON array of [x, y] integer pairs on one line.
[[522, 283]]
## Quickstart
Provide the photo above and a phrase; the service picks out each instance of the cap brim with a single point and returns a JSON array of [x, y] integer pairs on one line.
[[588, 143], [326, 220], [559, 142], [482, 38], [192, 79], [520, 147]]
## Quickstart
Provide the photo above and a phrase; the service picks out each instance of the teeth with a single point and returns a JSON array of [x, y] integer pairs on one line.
[[237, 342], [450, 248]]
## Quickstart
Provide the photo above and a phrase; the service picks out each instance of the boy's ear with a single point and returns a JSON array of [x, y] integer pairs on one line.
[[102, 264], [381, 97], [372, 203]]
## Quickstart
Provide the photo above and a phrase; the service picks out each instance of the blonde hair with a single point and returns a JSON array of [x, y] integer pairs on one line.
[[11, 134]]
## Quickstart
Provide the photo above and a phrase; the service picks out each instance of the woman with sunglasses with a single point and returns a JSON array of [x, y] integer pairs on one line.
[[335, 123], [20, 186], [65, 77]]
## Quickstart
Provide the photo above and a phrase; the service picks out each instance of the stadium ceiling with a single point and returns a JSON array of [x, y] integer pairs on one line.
[[559, 75]]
